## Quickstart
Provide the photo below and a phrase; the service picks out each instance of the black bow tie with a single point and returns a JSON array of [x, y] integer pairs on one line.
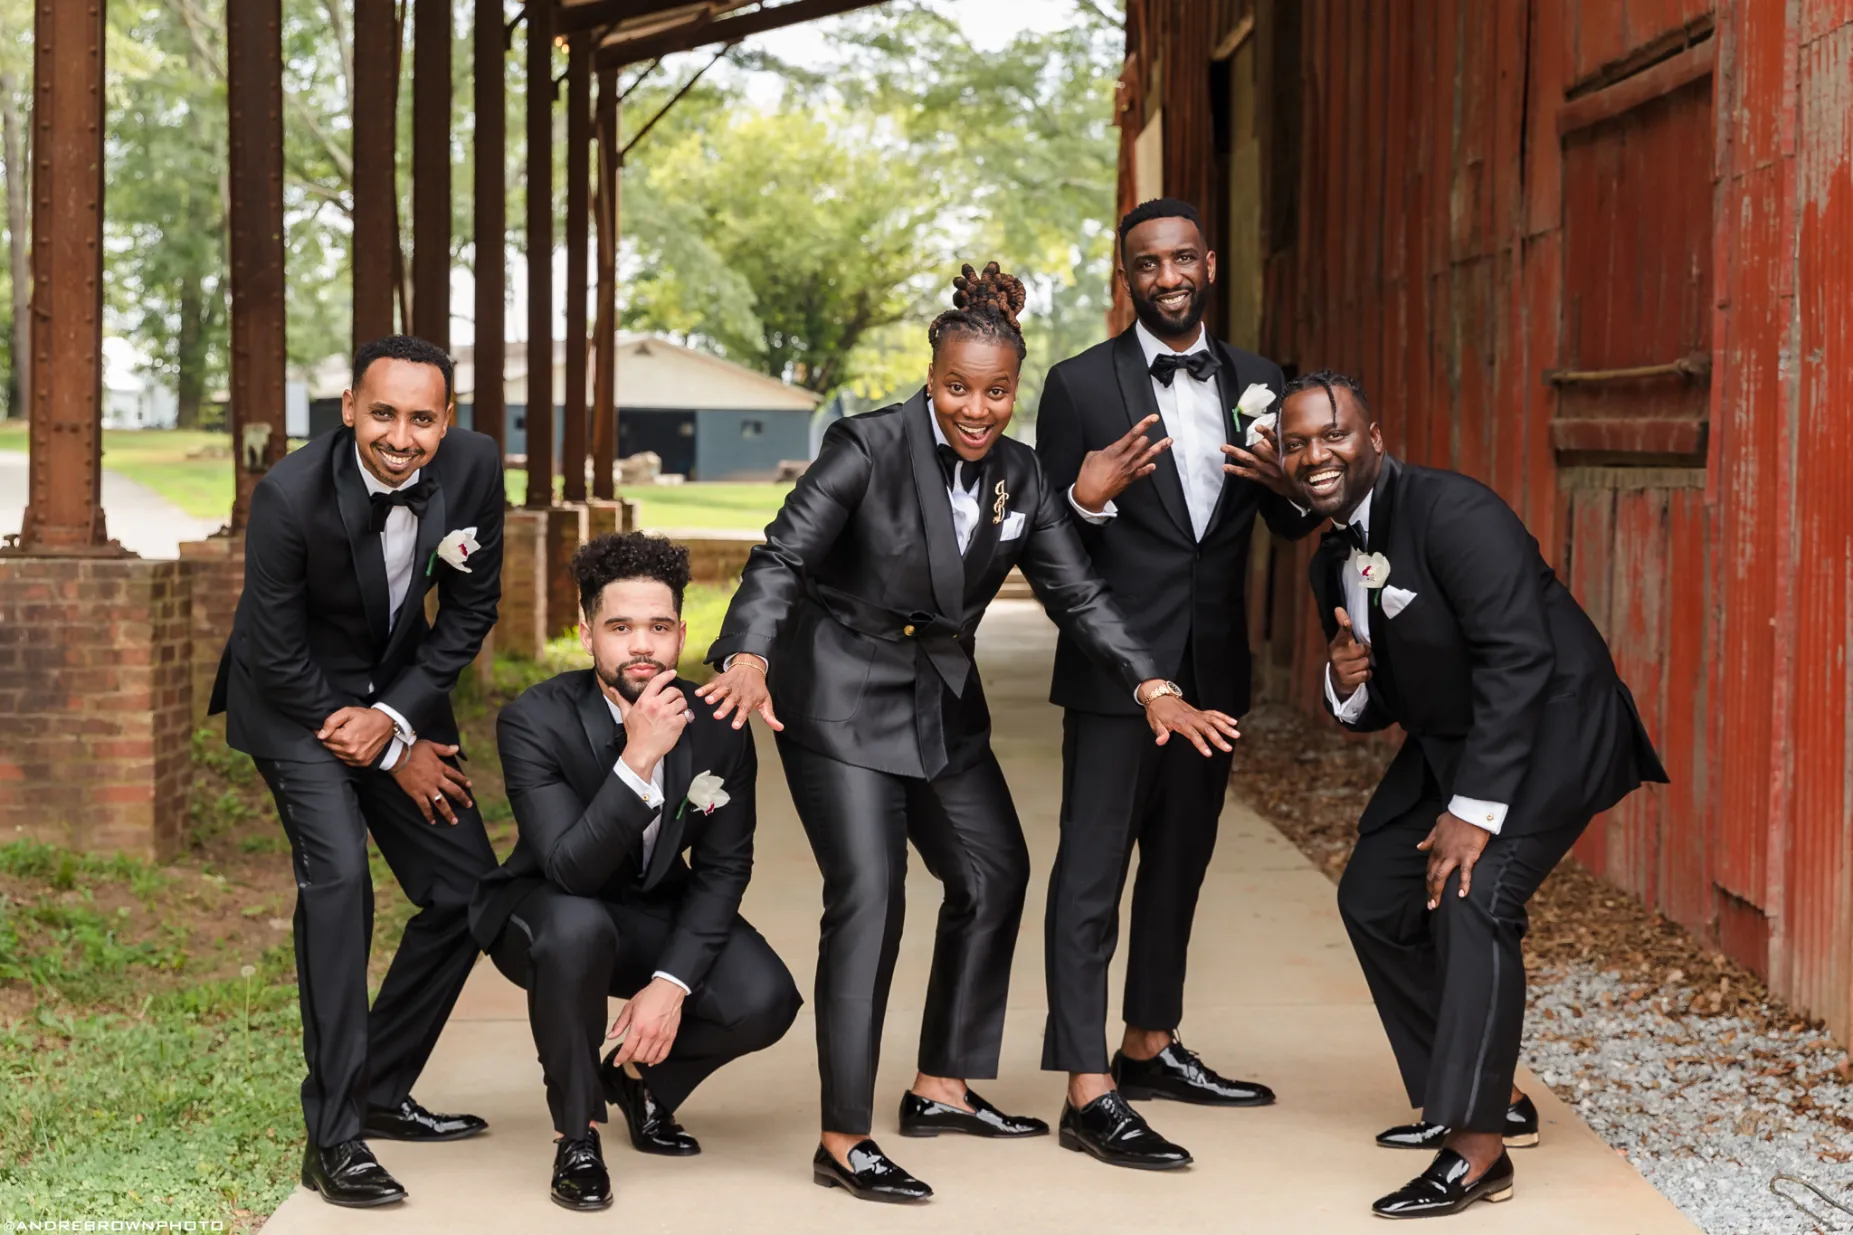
[[1355, 535], [414, 497], [1203, 366], [952, 466]]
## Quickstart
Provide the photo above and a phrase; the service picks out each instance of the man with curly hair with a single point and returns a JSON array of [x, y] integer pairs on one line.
[[613, 776]]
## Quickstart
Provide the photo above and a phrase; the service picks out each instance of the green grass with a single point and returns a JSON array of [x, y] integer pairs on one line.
[[160, 460], [721, 506]]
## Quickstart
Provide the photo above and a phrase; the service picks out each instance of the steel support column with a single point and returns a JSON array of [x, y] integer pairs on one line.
[[491, 234], [64, 514], [254, 92], [375, 246], [605, 381], [578, 175], [431, 100], [540, 254]]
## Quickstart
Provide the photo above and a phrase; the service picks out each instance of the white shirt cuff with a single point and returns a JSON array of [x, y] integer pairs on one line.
[[1092, 516], [400, 726], [641, 787], [1488, 815], [394, 752], [1350, 709], [670, 977]]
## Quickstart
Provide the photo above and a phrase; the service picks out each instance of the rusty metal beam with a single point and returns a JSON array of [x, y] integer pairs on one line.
[[587, 16], [726, 31], [491, 234], [375, 244], [540, 254], [578, 177], [64, 514], [1674, 73], [254, 94], [605, 381], [431, 99]]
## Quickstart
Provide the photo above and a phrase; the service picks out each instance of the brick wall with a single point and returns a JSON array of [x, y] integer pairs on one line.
[[566, 531], [96, 685], [719, 558], [521, 619], [215, 577]]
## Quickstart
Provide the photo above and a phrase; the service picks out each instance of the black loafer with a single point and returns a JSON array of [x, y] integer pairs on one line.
[[412, 1122], [350, 1176], [580, 1180], [1520, 1130], [1444, 1189], [653, 1130], [925, 1117], [870, 1176], [1116, 1134], [1178, 1074]]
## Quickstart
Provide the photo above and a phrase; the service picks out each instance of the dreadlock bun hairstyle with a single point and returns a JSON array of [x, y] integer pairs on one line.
[[985, 306]]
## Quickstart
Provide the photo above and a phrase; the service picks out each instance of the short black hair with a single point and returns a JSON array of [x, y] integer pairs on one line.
[[1330, 380], [404, 347], [629, 555], [1158, 208]]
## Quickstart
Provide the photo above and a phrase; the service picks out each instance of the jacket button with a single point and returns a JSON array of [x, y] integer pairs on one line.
[[908, 631]]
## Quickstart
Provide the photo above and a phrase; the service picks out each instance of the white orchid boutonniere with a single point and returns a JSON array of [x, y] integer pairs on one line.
[[705, 794], [1254, 403], [455, 550], [1372, 568]]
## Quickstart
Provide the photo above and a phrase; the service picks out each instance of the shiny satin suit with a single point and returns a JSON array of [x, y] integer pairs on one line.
[[866, 611]]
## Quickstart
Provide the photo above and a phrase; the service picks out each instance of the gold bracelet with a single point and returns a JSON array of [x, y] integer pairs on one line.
[[755, 663]]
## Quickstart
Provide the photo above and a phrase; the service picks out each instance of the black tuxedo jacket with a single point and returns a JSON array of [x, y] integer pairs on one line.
[[1172, 587], [312, 633], [867, 614], [1503, 684], [581, 827]]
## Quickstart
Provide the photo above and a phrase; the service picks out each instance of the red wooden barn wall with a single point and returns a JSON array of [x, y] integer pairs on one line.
[[1463, 226]]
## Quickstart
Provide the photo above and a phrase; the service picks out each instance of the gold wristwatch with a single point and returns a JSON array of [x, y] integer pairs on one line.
[[1160, 691]]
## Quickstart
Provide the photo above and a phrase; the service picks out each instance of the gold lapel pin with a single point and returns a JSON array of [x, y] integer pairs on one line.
[[1003, 500]]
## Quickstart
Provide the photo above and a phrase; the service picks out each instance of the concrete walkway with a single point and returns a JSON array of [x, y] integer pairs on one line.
[[1274, 994], [143, 520]]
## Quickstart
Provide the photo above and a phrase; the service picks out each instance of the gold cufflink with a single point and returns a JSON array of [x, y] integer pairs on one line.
[[908, 631]]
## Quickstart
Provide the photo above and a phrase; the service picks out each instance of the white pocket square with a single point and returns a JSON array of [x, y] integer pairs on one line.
[[1013, 526], [1395, 600]]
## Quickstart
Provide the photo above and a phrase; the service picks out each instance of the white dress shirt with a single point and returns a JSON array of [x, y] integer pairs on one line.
[[965, 509], [398, 542], [1488, 815], [651, 791], [1192, 412]]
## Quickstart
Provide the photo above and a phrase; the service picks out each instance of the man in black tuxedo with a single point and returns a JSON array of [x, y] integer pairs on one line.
[[337, 686], [864, 604], [612, 776], [1443, 617], [1147, 436]]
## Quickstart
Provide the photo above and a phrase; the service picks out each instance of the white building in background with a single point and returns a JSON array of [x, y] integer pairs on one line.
[[134, 398]]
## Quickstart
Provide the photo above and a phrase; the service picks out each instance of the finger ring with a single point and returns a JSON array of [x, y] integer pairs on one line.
[[437, 797]]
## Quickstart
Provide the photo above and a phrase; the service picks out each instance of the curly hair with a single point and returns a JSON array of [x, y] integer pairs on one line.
[[628, 555], [404, 347], [1330, 380], [985, 306]]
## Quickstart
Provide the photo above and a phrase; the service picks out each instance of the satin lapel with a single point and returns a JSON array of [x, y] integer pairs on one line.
[[943, 561], [678, 774], [1382, 511], [1229, 386], [430, 531], [601, 732], [1135, 379], [357, 516], [991, 475]]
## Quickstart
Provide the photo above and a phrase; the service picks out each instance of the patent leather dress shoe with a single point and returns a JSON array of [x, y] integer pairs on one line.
[[870, 1176], [1178, 1074], [653, 1129], [580, 1180], [411, 1122], [925, 1117], [349, 1175], [1116, 1134], [1444, 1189], [1520, 1130]]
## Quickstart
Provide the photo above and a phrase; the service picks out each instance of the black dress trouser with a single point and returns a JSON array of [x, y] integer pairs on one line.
[[571, 952], [354, 1056], [1449, 985], [965, 827], [1120, 789]]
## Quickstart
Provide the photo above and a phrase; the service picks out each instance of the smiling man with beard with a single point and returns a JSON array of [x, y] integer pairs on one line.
[[1147, 436], [1444, 618], [613, 774]]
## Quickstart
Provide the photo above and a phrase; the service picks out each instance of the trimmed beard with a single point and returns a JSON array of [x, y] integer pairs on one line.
[[624, 684], [1160, 325]]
